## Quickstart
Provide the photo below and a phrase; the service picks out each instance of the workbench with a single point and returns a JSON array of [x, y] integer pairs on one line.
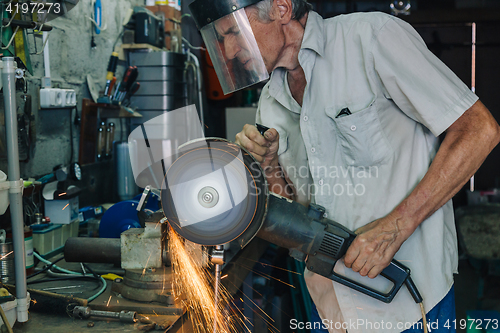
[[45, 318]]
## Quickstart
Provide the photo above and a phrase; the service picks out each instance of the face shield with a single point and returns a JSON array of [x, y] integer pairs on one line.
[[230, 43]]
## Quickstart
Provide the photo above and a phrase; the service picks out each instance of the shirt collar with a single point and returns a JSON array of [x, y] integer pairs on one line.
[[312, 40], [313, 34]]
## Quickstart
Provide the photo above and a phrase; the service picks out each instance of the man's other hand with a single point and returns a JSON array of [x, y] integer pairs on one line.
[[263, 148], [375, 246]]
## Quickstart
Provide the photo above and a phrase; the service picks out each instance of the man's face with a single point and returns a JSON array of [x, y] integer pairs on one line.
[[236, 45]]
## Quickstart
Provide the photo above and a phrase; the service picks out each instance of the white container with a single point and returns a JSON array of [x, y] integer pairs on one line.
[[4, 192], [10, 312], [10, 309]]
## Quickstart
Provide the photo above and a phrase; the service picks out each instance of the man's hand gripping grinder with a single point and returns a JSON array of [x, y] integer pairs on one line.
[[215, 193]]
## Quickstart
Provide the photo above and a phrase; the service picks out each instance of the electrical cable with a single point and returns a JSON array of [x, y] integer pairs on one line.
[[412, 288], [71, 273], [44, 269], [193, 47], [424, 319], [117, 39]]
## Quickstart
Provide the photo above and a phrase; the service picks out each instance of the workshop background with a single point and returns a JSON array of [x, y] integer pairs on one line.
[[72, 141]]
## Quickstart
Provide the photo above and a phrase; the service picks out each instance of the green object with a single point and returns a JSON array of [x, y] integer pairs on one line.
[[479, 321]]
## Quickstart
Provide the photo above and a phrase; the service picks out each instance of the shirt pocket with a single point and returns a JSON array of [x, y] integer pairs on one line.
[[361, 137]]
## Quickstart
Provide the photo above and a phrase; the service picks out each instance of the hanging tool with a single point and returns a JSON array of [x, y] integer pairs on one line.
[[113, 62], [84, 312], [128, 80], [233, 204], [110, 78], [98, 16], [135, 87]]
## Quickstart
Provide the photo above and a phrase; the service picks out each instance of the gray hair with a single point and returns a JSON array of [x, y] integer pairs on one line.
[[299, 9]]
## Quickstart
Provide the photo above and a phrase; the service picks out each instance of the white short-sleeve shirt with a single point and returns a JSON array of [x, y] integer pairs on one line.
[[361, 165]]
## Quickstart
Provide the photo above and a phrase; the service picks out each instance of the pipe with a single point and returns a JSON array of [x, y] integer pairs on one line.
[[199, 84], [95, 250], [16, 186], [473, 80], [46, 56]]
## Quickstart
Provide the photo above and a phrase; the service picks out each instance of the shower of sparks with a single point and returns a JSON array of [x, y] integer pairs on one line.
[[276, 267], [108, 301], [65, 206], [267, 277], [5, 256], [194, 285]]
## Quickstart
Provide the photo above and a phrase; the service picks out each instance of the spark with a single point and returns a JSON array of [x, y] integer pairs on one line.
[[5, 256], [109, 300], [225, 276], [61, 194], [276, 267], [194, 284], [145, 266], [65, 206], [34, 301], [268, 276]]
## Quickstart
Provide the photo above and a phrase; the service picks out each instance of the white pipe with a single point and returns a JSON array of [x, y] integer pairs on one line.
[[200, 96], [46, 56], [473, 80], [16, 186]]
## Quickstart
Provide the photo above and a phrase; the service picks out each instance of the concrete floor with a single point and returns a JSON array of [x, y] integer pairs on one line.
[[465, 291]]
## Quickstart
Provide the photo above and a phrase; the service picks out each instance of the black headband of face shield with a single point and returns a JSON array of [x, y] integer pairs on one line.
[[207, 11]]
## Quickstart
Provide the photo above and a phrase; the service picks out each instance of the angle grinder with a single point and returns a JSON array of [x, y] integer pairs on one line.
[[215, 192]]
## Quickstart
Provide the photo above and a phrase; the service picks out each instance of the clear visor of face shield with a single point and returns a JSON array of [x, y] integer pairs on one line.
[[234, 52]]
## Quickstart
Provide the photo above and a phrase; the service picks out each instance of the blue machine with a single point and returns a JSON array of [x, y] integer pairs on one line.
[[123, 216]]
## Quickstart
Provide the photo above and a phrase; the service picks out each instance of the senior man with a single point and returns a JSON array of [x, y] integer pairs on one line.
[[355, 104]]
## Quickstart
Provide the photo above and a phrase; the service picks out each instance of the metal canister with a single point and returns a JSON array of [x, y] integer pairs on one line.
[[125, 182], [7, 263]]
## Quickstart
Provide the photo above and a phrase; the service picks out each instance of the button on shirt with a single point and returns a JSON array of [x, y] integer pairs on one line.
[[362, 164]]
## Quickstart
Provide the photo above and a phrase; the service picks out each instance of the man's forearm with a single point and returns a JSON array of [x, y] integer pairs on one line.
[[467, 143], [465, 147], [277, 181]]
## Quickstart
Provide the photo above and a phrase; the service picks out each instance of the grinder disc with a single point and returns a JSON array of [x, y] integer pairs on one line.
[[214, 192]]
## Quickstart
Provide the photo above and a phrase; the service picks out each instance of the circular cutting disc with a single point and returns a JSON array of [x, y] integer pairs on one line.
[[214, 192]]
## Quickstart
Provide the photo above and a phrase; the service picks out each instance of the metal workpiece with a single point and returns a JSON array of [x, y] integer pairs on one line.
[[141, 248], [16, 184], [157, 58], [84, 312], [93, 250]]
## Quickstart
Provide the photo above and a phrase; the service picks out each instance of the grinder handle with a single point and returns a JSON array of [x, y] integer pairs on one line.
[[396, 272]]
